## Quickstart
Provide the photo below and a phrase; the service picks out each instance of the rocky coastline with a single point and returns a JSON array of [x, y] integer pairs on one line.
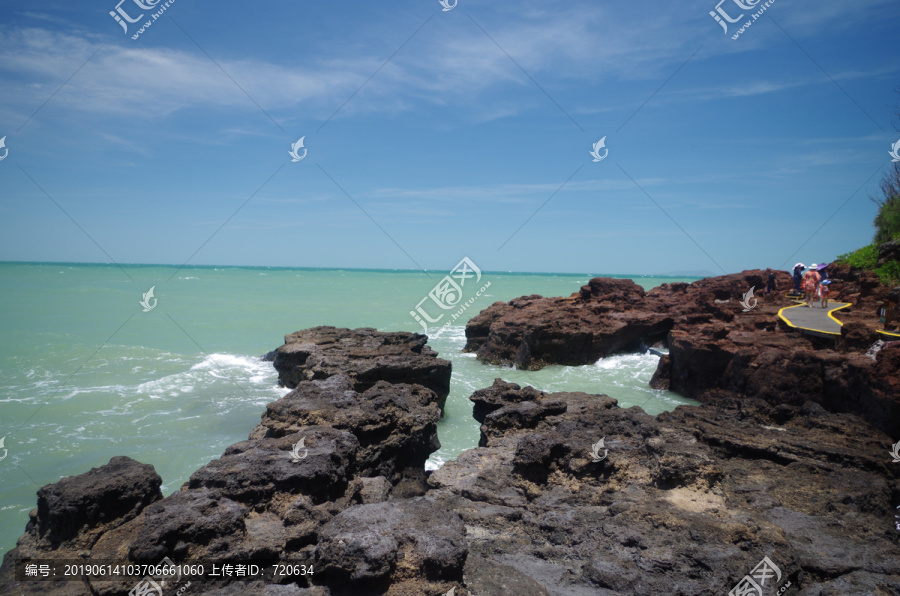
[[716, 350], [566, 494]]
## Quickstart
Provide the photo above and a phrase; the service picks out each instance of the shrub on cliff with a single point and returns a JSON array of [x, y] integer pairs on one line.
[[869, 257], [887, 221], [862, 258]]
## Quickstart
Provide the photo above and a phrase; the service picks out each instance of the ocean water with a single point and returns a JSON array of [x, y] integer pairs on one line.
[[88, 375]]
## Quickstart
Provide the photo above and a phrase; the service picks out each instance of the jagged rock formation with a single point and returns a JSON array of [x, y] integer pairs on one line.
[[684, 503], [333, 476], [365, 355], [715, 349]]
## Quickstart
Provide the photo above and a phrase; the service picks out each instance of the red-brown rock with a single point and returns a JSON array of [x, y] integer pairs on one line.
[[716, 350]]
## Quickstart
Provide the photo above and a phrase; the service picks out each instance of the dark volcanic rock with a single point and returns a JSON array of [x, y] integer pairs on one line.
[[410, 538], [714, 361], [343, 440], [685, 503], [568, 494], [107, 497], [715, 348], [74, 516], [486, 577], [77, 509], [198, 524], [663, 373], [396, 425], [863, 289], [498, 395], [858, 337], [606, 316], [365, 355], [255, 470], [532, 332], [616, 294]]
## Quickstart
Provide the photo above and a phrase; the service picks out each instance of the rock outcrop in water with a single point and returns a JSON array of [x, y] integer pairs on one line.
[[333, 476], [311, 485], [606, 317], [365, 355], [715, 349]]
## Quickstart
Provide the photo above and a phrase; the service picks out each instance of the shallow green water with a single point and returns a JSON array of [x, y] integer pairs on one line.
[[87, 375]]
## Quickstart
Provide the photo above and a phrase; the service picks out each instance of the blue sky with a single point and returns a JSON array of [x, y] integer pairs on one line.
[[434, 135]]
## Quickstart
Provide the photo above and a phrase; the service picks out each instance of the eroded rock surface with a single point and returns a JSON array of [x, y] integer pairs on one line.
[[347, 439], [532, 331], [365, 355], [715, 348], [394, 424], [684, 503]]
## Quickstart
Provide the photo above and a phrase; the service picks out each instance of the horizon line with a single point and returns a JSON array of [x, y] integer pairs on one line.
[[390, 269]]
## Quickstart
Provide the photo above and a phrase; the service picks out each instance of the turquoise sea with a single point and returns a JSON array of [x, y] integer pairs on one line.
[[88, 375]]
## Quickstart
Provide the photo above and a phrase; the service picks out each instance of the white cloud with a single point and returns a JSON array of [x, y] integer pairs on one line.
[[501, 193], [152, 82], [558, 44], [444, 62]]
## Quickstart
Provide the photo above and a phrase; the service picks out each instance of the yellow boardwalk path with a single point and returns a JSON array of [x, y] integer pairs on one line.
[[817, 320]]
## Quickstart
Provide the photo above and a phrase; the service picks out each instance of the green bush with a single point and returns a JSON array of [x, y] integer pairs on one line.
[[863, 258], [887, 223], [889, 273], [866, 258]]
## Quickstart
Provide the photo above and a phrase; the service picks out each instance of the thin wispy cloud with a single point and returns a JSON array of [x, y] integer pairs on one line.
[[448, 137]]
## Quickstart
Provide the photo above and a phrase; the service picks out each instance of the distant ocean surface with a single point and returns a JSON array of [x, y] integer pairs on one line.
[[87, 375]]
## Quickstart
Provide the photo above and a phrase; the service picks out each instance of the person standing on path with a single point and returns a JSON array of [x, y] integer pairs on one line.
[[811, 281], [798, 269], [825, 291], [770, 284]]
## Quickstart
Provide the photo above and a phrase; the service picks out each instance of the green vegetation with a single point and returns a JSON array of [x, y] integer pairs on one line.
[[862, 258], [887, 222], [889, 273], [867, 258]]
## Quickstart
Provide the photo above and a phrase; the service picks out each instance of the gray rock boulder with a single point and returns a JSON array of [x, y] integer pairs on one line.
[[365, 355]]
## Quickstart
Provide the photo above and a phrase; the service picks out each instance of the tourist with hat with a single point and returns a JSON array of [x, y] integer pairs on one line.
[[811, 281], [798, 271]]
